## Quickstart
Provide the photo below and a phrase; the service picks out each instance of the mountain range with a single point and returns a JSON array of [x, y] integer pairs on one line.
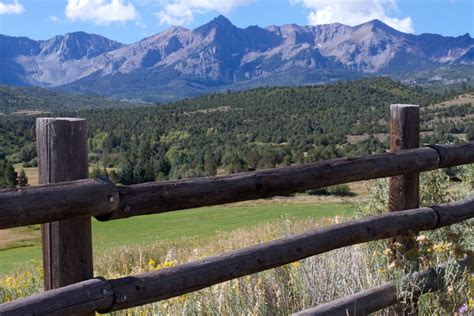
[[218, 55]]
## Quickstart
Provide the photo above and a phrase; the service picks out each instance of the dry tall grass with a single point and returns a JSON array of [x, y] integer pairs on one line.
[[295, 286], [280, 291]]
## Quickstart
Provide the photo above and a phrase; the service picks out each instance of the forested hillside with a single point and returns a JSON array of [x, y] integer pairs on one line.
[[34, 101], [254, 129]]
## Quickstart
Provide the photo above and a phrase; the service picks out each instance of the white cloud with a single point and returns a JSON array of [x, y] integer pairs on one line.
[[54, 19], [353, 12], [11, 8], [141, 25], [180, 12], [100, 11]]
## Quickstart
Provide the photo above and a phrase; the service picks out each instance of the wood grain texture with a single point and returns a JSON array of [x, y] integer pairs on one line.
[[67, 244], [404, 134], [167, 196], [163, 284], [82, 298], [454, 212], [455, 155], [358, 304], [404, 190], [61, 201], [149, 287], [54, 202]]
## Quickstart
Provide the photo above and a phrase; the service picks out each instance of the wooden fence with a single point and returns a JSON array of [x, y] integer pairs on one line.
[[65, 203]]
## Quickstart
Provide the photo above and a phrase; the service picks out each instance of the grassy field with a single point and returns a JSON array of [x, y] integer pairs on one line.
[[22, 244], [190, 223], [143, 244]]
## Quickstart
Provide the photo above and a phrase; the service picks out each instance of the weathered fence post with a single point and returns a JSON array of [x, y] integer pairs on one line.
[[404, 190], [404, 134], [62, 156]]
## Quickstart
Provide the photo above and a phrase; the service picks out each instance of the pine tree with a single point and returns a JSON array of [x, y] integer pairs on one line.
[[126, 174], [10, 175], [22, 179]]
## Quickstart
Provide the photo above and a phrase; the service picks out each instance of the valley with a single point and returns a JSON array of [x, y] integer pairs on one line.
[[239, 157], [239, 131], [221, 134]]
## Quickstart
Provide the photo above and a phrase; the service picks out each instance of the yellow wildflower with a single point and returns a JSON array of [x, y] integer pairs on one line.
[[152, 266], [151, 263], [442, 247], [168, 264]]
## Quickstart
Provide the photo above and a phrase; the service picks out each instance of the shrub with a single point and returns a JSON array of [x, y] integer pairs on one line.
[[443, 246], [337, 190]]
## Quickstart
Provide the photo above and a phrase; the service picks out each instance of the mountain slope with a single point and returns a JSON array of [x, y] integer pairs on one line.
[[218, 55], [34, 100], [54, 62]]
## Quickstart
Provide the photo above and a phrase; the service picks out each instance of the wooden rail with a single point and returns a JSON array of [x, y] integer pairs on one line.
[[105, 201], [158, 285], [382, 296], [81, 199], [58, 201]]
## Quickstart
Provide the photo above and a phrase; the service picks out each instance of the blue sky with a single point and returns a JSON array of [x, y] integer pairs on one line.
[[128, 21]]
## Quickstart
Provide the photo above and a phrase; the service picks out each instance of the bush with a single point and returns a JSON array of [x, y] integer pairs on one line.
[[445, 246], [337, 190]]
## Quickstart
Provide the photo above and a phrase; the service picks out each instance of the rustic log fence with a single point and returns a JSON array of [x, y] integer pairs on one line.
[[382, 296], [71, 204]]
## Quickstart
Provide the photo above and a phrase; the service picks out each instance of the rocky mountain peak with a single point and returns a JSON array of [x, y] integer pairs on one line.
[[219, 54], [378, 27], [219, 24], [77, 45]]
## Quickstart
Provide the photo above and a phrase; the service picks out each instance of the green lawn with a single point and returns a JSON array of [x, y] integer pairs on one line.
[[195, 222]]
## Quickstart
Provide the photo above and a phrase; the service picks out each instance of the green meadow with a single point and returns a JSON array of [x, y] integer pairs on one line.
[[197, 223]]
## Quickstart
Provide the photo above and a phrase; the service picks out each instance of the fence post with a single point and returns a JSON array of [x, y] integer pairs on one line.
[[404, 190], [62, 156]]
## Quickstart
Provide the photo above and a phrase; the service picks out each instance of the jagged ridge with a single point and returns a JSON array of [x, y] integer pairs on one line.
[[219, 54]]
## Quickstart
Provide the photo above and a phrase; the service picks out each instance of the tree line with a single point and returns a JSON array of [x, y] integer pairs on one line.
[[238, 131], [9, 178]]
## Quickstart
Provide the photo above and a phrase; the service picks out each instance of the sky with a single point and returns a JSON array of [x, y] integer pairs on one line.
[[128, 21]]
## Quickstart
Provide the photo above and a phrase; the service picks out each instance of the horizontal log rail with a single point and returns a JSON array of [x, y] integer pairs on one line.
[[150, 287], [57, 201], [149, 198], [75, 299], [105, 201], [382, 296]]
